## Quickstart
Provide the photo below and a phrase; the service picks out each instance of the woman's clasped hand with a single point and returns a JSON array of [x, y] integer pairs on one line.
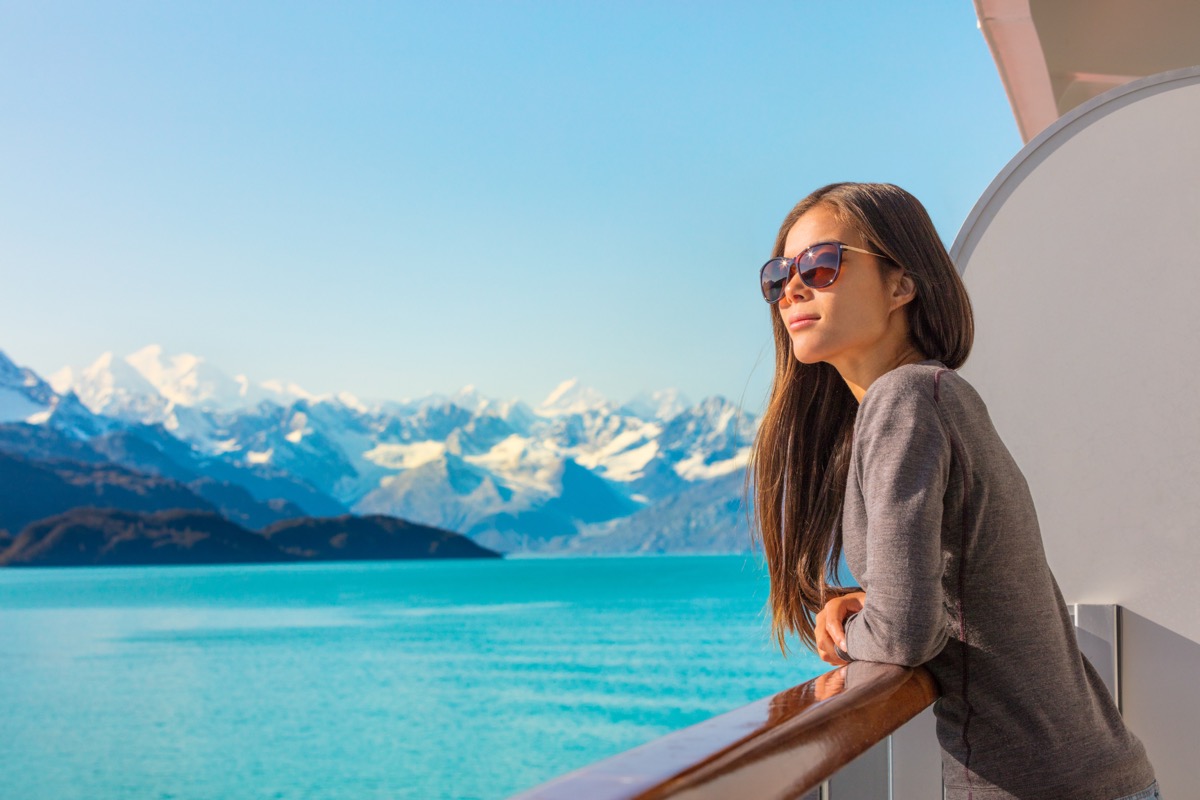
[[828, 629]]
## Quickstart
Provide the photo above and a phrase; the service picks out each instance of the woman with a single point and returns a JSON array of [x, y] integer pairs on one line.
[[873, 445]]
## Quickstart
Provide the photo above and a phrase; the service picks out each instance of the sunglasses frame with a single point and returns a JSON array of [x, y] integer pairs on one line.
[[793, 264]]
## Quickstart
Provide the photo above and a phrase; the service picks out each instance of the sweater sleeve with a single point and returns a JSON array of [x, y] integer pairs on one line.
[[903, 455]]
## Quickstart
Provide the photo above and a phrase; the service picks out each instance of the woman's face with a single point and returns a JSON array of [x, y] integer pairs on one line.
[[847, 321]]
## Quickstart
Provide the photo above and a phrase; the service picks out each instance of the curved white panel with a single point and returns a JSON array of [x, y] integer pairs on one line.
[[1083, 263]]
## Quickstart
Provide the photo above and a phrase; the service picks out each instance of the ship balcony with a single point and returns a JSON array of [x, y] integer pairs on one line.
[[864, 731], [857, 731]]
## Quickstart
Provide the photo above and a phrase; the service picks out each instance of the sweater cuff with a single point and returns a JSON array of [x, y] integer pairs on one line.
[[842, 654]]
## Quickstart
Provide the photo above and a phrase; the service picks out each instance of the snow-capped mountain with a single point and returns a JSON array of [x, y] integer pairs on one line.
[[23, 395], [147, 385], [511, 476], [26, 397], [659, 405], [708, 440], [572, 397], [113, 386]]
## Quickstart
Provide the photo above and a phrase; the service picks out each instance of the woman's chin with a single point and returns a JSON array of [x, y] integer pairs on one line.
[[806, 356]]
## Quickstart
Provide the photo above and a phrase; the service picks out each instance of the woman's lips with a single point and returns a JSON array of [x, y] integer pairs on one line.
[[801, 321]]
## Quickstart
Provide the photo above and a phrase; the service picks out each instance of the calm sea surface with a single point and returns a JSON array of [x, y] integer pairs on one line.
[[463, 679]]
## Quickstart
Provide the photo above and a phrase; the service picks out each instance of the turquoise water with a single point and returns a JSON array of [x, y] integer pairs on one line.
[[456, 679]]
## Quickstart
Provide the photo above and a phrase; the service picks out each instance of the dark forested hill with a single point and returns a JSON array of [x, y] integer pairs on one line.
[[371, 537], [113, 537]]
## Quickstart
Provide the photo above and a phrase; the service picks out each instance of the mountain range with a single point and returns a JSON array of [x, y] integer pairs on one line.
[[576, 473]]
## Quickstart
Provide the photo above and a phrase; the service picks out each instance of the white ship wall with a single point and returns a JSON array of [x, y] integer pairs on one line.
[[1083, 264]]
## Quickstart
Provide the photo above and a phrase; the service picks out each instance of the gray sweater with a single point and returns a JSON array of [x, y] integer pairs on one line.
[[940, 531]]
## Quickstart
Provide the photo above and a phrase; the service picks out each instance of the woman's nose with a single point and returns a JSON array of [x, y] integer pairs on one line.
[[795, 289]]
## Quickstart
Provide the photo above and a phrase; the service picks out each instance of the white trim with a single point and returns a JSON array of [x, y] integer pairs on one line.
[[1114, 98]]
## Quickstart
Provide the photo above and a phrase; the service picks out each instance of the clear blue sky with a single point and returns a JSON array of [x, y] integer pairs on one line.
[[398, 198]]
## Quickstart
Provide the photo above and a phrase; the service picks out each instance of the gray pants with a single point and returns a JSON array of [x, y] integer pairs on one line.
[[1151, 792]]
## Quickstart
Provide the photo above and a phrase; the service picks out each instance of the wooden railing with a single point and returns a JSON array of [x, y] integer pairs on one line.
[[783, 746]]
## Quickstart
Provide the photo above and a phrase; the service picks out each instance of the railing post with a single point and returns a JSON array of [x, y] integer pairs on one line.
[[867, 777], [908, 764], [1098, 632], [917, 759]]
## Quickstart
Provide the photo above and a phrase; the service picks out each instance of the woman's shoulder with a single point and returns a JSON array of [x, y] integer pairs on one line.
[[920, 386], [915, 381], [901, 414]]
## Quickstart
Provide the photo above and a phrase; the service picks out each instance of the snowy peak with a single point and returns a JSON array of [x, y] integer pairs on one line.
[[351, 402], [60, 381], [280, 392], [185, 379], [659, 406], [23, 380], [470, 399], [23, 395], [708, 440], [571, 397], [148, 385], [110, 385], [713, 418]]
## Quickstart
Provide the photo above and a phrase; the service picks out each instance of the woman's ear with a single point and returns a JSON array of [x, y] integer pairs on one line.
[[904, 288]]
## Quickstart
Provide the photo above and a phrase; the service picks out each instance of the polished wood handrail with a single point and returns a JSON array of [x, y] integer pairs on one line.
[[782, 746]]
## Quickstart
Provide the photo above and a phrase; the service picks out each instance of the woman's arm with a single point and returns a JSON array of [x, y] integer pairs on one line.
[[904, 455]]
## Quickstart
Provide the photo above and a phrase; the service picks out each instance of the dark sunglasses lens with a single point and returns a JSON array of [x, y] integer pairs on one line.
[[773, 277], [818, 266]]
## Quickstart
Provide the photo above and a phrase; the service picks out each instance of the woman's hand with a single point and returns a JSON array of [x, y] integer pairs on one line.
[[828, 629]]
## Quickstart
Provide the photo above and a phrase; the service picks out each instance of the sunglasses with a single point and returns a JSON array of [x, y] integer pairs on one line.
[[818, 267]]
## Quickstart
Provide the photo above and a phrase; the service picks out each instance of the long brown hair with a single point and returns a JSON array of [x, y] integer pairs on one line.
[[801, 453]]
